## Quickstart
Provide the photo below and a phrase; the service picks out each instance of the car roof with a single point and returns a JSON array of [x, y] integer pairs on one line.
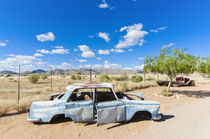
[[89, 85]]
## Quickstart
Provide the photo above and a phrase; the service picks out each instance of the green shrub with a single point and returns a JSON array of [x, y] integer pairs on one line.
[[44, 76], [164, 93], [123, 77], [33, 78], [104, 78], [73, 77], [137, 79], [70, 83], [78, 77]]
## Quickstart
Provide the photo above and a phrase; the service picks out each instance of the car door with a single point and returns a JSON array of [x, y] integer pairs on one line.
[[110, 111], [79, 110]]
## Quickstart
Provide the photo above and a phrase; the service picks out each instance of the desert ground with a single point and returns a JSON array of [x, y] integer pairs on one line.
[[184, 115]]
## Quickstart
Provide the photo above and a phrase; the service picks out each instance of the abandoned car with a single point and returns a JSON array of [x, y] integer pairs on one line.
[[180, 81], [93, 102]]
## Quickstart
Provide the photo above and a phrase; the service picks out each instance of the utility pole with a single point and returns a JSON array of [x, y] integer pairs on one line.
[[19, 89], [90, 75], [51, 80]]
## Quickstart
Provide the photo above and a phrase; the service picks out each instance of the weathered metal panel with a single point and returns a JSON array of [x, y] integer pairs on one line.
[[45, 110], [79, 111], [110, 111], [134, 106]]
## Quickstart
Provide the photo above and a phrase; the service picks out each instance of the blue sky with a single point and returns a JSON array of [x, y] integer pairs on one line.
[[104, 34]]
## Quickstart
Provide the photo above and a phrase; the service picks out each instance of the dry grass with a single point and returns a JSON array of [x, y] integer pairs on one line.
[[7, 105], [40, 91]]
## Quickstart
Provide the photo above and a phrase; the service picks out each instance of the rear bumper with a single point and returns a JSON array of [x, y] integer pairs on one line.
[[157, 117], [28, 119]]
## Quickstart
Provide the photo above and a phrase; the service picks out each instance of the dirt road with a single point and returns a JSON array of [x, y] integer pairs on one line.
[[183, 117], [189, 121]]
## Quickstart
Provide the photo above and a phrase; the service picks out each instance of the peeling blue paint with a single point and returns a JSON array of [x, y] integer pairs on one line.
[[83, 111]]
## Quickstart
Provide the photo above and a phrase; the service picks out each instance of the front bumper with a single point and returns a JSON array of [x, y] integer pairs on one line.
[[28, 119], [157, 117]]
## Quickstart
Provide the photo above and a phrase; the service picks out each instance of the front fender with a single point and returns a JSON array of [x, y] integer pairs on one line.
[[44, 111], [135, 106]]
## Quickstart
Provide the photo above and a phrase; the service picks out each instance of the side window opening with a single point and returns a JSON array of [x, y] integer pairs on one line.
[[104, 94], [81, 95]]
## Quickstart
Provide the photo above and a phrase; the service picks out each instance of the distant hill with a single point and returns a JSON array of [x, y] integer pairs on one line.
[[38, 71], [7, 72], [83, 71]]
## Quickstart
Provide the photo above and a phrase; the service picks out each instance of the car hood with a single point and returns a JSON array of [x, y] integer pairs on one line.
[[45, 104]]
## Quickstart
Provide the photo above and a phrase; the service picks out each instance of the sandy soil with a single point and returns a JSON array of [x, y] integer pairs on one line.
[[184, 116]]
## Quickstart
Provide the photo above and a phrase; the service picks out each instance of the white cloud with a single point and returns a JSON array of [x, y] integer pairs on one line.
[[43, 51], [139, 67], [103, 5], [128, 68], [134, 36], [86, 52], [129, 50], [63, 65], [46, 37], [75, 50], [108, 65], [82, 60], [103, 52], [169, 45], [91, 36], [98, 58], [38, 54], [117, 50], [104, 36], [61, 47], [26, 62], [2, 44], [58, 50], [158, 29], [140, 58]]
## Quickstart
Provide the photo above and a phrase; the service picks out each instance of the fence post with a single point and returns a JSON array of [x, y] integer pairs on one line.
[[51, 80], [19, 89]]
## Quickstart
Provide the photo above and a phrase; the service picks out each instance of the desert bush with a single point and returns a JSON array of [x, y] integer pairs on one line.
[[33, 78], [73, 77], [78, 77], [70, 82], [123, 77], [104, 78], [150, 78], [164, 93], [44, 76], [137, 79], [124, 86]]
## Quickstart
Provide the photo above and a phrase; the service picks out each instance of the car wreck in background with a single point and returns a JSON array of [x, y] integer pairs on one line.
[[180, 81], [93, 102]]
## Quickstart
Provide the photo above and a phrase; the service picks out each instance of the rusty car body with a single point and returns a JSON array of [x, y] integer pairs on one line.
[[93, 102], [180, 81]]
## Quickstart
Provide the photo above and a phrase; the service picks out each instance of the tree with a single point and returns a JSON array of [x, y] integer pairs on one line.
[[136, 79], [171, 61], [204, 66]]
